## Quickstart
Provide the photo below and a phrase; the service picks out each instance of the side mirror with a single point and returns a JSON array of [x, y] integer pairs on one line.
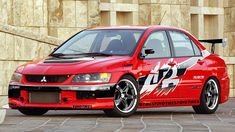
[[149, 51], [146, 52]]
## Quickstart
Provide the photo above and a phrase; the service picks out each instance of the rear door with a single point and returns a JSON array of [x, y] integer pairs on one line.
[[189, 63]]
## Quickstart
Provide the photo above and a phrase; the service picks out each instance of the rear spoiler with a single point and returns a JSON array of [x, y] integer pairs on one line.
[[223, 41]]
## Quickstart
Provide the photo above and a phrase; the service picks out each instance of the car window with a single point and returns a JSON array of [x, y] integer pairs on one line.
[[106, 41], [111, 42], [78, 48], [196, 49], [182, 44], [159, 43]]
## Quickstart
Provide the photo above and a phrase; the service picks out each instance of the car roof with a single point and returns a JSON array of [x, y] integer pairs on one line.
[[137, 27]]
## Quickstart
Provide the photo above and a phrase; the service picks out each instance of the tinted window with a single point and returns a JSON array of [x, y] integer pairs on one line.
[[113, 42], [78, 47], [159, 43], [182, 44], [196, 49]]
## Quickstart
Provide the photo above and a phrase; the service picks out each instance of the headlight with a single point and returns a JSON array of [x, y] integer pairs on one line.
[[93, 77], [16, 77]]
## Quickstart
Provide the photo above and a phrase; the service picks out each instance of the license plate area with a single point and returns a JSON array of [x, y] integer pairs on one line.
[[44, 97]]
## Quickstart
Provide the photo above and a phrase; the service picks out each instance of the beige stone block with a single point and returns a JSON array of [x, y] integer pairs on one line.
[[3, 11], [226, 49], [179, 2], [145, 1], [10, 17], [125, 7], [161, 14], [15, 9], [105, 1], [27, 14], [185, 17], [52, 31], [156, 12], [45, 13], [135, 18], [38, 13], [124, 1], [175, 15], [55, 13], [93, 13], [30, 49], [44, 50], [19, 48], [230, 69], [3, 46], [69, 13], [65, 33], [43, 30], [231, 44], [81, 13], [9, 47], [231, 93], [145, 15], [1, 76]]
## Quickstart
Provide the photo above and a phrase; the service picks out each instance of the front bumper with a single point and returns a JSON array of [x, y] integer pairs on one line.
[[69, 97]]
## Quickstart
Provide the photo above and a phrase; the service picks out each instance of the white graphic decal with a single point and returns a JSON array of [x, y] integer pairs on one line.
[[163, 80]]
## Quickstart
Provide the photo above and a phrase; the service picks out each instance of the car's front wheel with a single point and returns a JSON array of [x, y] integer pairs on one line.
[[33, 111], [126, 97], [209, 101]]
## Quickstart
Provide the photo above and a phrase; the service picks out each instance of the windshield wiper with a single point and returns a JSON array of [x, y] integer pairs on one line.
[[96, 54], [57, 54]]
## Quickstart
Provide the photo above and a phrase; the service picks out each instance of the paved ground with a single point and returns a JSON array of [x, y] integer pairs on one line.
[[161, 119]]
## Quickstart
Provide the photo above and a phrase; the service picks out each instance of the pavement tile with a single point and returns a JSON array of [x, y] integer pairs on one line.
[[170, 119]]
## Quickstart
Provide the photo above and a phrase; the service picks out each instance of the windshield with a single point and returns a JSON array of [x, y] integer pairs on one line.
[[109, 42]]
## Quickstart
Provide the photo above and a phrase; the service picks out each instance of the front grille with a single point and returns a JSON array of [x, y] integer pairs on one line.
[[47, 78]]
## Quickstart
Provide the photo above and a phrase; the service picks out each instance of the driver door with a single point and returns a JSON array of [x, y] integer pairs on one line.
[[158, 75]]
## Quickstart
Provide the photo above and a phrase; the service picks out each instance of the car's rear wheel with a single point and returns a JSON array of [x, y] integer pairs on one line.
[[126, 98], [209, 101], [33, 111]]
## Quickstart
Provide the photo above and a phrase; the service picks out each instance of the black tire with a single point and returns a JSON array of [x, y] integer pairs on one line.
[[117, 112], [33, 111], [206, 105]]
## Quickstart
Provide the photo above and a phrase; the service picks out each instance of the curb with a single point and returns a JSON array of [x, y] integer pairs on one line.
[[3, 107], [2, 115]]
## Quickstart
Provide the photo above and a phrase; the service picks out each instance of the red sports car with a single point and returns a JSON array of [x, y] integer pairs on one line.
[[120, 69]]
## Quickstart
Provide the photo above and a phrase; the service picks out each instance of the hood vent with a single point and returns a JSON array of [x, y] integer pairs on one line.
[[67, 60]]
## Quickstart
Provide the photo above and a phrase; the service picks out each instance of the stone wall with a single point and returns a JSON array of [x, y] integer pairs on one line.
[[18, 47], [62, 18]]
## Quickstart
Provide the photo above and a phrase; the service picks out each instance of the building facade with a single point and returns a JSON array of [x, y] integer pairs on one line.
[[30, 29]]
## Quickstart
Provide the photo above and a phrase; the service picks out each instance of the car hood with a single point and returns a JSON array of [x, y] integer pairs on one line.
[[50, 65]]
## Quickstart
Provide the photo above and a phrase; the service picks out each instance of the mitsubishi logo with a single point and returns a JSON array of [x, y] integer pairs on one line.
[[44, 79]]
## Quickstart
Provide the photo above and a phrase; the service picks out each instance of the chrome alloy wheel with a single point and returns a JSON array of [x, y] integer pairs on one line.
[[211, 94], [125, 96]]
